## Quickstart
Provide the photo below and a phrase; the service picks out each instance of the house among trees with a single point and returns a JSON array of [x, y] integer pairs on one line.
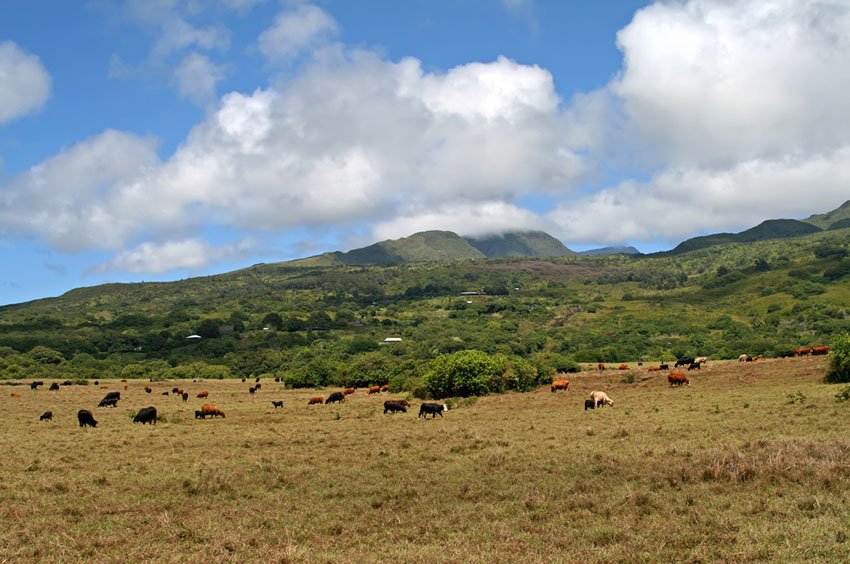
[[392, 340]]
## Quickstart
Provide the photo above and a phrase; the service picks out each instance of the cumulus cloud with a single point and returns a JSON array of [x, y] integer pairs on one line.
[[24, 82], [464, 218], [717, 82], [191, 254], [196, 78], [296, 30], [680, 201]]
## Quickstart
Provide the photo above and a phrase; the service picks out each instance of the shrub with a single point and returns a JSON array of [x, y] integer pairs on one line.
[[839, 359], [465, 373]]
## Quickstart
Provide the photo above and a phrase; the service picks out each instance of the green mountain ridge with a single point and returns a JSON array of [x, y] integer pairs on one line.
[[829, 219]]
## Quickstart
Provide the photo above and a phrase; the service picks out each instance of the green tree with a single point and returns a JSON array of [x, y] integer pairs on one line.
[[465, 373], [45, 355], [839, 359]]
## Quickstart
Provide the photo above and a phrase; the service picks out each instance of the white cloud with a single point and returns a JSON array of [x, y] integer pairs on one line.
[[464, 218], [716, 82], [24, 82], [190, 254], [296, 30], [678, 202], [196, 78]]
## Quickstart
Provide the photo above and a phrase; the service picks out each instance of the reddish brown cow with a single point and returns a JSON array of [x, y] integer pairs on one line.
[[655, 368], [211, 410], [623, 367], [316, 400], [374, 389], [802, 351], [203, 394], [385, 388], [601, 366], [820, 350], [16, 395], [348, 391], [560, 385], [677, 378]]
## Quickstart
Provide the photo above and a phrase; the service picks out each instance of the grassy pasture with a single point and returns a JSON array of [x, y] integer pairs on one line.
[[749, 463]]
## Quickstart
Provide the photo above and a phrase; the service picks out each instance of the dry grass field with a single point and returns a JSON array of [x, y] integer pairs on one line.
[[749, 463]]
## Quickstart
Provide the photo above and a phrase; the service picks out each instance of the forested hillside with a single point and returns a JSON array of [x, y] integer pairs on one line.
[[323, 325]]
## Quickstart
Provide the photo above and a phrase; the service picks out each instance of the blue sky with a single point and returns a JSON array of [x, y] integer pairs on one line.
[[156, 140]]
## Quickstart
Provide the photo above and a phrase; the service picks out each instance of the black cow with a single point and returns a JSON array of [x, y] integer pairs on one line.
[[664, 366], [787, 354], [336, 397], [85, 418], [694, 365], [588, 404], [175, 390], [200, 414], [258, 386], [433, 409], [185, 396], [684, 361], [393, 406], [108, 402], [257, 380], [46, 416], [35, 385], [277, 404], [146, 415], [54, 386], [252, 390]]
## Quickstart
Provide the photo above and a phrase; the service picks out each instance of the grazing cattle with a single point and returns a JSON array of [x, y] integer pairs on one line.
[[664, 366], [600, 366], [374, 389], [601, 399], [54, 386], [655, 368], [802, 351], [165, 393], [820, 350], [684, 361], [745, 358], [257, 380], [385, 388], [393, 406], [16, 395], [336, 397], [589, 404], [433, 409], [623, 367], [110, 400], [203, 394], [176, 390], [277, 378], [786, 354], [199, 414], [211, 411], [35, 385], [348, 391], [560, 385], [148, 390], [146, 415], [316, 400], [252, 390], [46, 416], [694, 365], [677, 378], [85, 418], [277, 404], [701, 359], [258, 386]]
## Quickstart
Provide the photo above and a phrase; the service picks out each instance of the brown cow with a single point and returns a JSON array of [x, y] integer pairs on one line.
[[623, 367], [16, 395], [374, 389], [802, 351], [148, 390], [348, 391], [211, 410], [677, 378], [385, 388], [203, 394], [316, 400], [601, 366], [820, 350], [560, 385], [655, 368]]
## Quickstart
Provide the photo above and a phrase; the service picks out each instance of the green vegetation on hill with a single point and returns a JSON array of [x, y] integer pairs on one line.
[[520, 244], [770, 229], [320, 326], [829, 219]]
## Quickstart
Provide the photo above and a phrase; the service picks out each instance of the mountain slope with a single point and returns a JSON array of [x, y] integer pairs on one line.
[[616, 250], [520, 244], [828, 219], [770, 229]]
